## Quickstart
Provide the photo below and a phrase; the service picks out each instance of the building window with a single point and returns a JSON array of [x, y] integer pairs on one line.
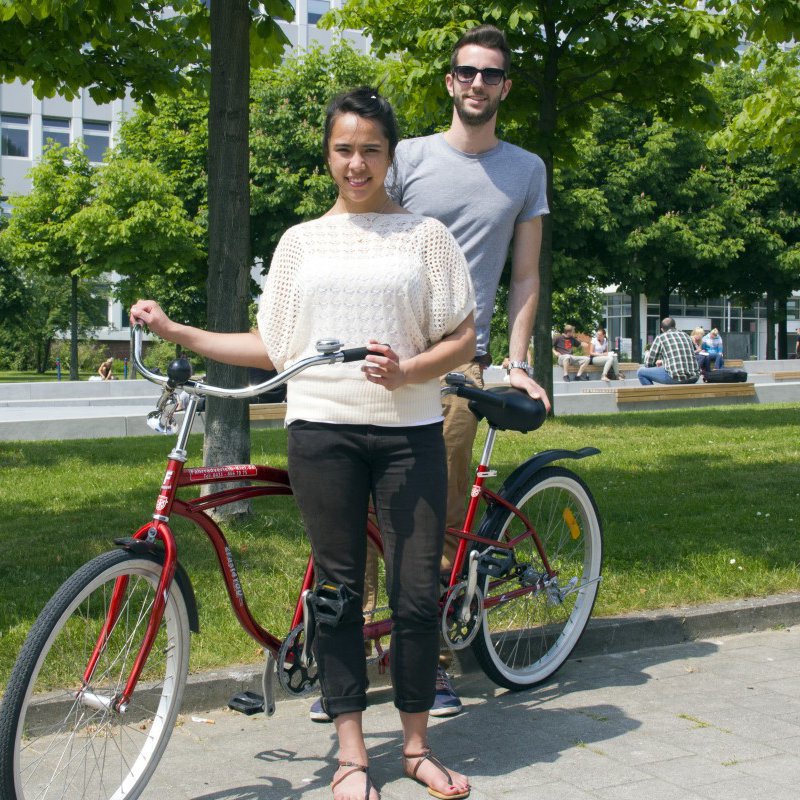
[[97, 137], [15, 134], [55, 129], [5, 207], [316, 8]]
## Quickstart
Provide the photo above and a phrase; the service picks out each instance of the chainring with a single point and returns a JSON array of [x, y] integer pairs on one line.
[[292, 675], [458, 634]]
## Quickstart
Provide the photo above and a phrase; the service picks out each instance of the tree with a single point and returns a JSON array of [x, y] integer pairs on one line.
[[569, 58], [41, 232], [136, 226], [109, 46]]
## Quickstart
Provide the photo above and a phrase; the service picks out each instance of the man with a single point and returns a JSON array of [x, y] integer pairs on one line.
[[488, 193], [670, 359], [564, 347]]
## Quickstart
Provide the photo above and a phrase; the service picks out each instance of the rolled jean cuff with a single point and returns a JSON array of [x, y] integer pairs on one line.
[[349, 704], [414, 706]]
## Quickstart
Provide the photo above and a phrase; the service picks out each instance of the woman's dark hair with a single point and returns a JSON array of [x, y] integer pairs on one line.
[[367, 103], [486, 36]]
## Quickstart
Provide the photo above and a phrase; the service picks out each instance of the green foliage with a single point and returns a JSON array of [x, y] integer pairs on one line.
[[580, 305], [113, 47], [137, 226], [289, 182]]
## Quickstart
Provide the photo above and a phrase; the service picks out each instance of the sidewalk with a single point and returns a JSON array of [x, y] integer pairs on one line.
[[714, 718]]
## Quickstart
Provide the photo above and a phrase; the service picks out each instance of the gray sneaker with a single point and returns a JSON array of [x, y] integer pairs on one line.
[[447, 702], [317, 712]]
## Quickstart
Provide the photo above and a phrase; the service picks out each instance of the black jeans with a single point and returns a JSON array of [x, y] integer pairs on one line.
[[334, 469]]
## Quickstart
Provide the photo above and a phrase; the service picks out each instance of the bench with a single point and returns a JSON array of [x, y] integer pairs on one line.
[[628, 367], [667, 395], [270, 413], [789, 375]]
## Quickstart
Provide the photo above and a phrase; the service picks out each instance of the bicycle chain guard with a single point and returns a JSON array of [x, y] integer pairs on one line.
[[292, 675], [457, 631]]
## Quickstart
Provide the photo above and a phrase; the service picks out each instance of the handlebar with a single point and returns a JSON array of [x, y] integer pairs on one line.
[[331, 352]]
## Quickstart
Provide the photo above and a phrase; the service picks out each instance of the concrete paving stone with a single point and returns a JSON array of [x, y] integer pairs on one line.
[[747, 788], [642, 749], [724, 747], [761, 727], [782, 686], [589, 768], [652, 789], [782, 769], [691, 772]]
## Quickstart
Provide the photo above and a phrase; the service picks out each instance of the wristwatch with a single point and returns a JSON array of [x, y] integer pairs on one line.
[[520, 365]]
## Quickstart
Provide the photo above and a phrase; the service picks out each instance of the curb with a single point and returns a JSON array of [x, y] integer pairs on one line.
[[602, 636]]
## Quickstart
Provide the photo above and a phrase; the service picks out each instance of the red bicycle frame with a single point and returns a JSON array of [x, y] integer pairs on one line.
[[264, 482]]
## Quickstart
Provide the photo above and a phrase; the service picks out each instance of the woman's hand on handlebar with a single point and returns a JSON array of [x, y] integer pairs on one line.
[[150, 313], [383, 366], [241, 349]]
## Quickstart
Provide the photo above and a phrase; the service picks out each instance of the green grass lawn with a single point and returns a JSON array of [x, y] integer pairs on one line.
[[14, 376], [697, 505]]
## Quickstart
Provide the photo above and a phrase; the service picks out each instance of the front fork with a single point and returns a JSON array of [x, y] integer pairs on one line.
[[157, 531]]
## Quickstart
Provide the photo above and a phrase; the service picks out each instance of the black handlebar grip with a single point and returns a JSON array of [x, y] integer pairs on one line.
[[355, 354]]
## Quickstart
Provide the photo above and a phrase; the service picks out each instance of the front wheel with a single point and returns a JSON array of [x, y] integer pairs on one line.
[[61, 738], [532, 620]]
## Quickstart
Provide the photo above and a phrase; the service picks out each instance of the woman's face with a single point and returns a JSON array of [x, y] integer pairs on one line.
[[358, 160], [600, 336]]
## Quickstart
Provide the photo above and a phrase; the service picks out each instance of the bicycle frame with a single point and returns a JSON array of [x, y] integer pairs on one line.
[[267, 481]]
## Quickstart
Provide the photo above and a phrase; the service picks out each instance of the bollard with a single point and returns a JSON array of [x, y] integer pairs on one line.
[[58, 368], [125, 368]]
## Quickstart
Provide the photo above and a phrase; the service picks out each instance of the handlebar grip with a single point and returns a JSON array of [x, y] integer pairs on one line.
[[355, 354]]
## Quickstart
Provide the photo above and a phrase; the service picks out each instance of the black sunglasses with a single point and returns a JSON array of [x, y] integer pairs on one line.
[[491, 75]]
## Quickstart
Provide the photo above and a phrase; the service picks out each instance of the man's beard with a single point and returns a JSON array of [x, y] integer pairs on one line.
[[476, 118]]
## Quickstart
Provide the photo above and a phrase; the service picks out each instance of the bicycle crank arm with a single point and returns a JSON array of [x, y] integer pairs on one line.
[[472, 584], [267, 687]]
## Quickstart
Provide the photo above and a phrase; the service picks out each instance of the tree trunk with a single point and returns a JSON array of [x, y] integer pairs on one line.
[[663, 306], [770, 326], [783, 338], [227, 438], [73, 334], [636, 328]]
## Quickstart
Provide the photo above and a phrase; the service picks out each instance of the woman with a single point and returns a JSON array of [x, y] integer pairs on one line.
[[703, 361], [600, 354], [366, 272], [106, 370], [712, 346]]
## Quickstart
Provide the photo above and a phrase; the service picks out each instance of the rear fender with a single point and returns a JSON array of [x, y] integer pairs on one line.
[[520, 477]]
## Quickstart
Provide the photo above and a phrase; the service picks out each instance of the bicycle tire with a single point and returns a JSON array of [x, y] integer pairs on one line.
[[54, 746], [524, 640]]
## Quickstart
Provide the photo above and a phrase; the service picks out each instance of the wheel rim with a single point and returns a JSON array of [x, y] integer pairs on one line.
[[66, 749], [527, 638]]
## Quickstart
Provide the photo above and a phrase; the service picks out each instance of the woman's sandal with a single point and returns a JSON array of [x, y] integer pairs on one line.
[[355, 768], [427, 755]]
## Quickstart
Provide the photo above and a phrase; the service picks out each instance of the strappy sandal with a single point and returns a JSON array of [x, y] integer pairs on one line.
[[427, 755], [355, 768]]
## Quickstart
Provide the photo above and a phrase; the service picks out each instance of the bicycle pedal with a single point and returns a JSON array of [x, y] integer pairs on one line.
[[495, 563], [247, 703]]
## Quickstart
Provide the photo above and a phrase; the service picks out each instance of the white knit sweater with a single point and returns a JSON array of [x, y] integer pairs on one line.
[[398, 278]]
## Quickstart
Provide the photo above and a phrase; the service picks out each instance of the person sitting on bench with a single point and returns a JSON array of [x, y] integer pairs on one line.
[[670, 358]]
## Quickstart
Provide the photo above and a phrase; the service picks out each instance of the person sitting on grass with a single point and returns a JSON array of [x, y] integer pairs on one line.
[[106, 370]]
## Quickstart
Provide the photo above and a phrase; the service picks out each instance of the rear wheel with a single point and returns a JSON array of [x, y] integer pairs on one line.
[[61, 739], [532, 622]]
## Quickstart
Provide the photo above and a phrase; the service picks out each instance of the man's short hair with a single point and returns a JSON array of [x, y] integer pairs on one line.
[[485, 36], [667, 323]]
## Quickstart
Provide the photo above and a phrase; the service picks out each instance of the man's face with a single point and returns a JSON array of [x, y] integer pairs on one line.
[[477, 102]]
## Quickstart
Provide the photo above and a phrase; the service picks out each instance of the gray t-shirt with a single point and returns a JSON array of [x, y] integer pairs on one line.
[[480, 198]]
